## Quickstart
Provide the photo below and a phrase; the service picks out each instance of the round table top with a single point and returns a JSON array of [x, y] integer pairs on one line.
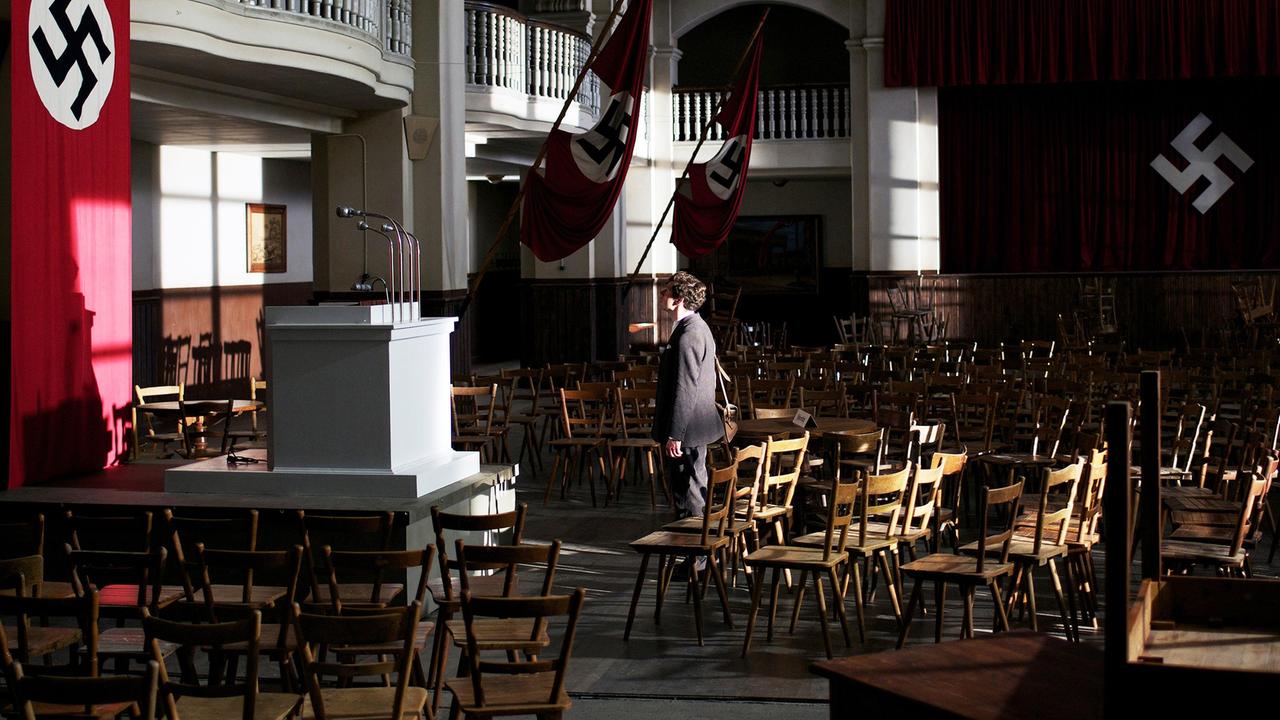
[[784, 426], [237, 406], [1016, 459]]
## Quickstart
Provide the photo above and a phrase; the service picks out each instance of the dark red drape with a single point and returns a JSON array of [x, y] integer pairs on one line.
[[704, 217], [1059, 179], [71, 295], [987, 42]]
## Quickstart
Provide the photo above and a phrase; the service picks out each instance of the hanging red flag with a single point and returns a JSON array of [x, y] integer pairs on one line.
[[71, 358], [565, 207], [704, 217]]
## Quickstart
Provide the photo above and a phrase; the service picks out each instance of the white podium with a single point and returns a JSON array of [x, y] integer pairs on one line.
[[360, 407]]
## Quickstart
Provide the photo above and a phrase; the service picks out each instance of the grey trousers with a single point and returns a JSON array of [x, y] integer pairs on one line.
[[687, 476]]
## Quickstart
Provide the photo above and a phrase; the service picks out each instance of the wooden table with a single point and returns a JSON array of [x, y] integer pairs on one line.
[[758, 429], [173, 406], [1008, 675]]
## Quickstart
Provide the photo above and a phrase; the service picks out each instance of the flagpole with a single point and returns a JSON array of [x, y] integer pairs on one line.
[[607, 31], [706, 129]]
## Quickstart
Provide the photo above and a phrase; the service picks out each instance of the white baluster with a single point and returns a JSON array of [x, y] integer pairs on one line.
[[844, 115], [562, 65], [795, 119], [809, 95]]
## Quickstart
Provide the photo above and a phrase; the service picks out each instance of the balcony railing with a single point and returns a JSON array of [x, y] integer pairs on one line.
[[387, 22], [505, 49], [800, 112]]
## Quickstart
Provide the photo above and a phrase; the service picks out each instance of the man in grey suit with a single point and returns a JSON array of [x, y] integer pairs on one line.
[[686, 418]]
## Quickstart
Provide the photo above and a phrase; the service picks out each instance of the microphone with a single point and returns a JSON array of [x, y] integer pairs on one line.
[[346, 212]]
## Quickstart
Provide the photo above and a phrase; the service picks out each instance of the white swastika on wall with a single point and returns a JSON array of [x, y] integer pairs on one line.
[[1202, 163]]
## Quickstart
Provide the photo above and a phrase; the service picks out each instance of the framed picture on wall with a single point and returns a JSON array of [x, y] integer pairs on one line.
[[767, 254], [266, 238]]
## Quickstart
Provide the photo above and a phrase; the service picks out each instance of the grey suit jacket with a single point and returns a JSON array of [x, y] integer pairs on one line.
[[686, 408]]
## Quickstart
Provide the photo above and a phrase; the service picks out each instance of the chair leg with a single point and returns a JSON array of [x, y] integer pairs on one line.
[[1030, 580], [1068, 620], [635, 595], [1001, 619], [697, 602], [905, 623], [757, 589], [940, 602], [666, 566], [552, 477], [840, 609], [966, 629], [889, 585], [822, 612], [714, 568], [857, 598], [773, 601], [795, 609]]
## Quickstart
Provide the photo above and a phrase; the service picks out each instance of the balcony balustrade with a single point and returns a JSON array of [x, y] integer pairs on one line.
[[505, 49], [800, 112], [387, 22]]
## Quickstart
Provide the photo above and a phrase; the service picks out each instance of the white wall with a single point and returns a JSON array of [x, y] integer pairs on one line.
[[189, 217], [828, 197]]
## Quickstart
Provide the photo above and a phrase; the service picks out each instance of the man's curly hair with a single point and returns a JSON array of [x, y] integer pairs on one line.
[[686, 287]]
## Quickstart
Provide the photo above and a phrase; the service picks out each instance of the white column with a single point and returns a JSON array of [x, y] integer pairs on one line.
[[439, 181], [901, 169]]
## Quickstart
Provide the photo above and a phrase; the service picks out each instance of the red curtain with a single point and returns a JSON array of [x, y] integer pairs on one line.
[[1059, 178], [986, 42], [71, 335]]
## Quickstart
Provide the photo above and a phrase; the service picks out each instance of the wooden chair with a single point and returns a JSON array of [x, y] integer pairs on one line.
[[276, 601], [768, 394], [516, 687], [872, 538], [156, 429], [819, 562], [634, 421], [583, 418], [393, 561], [709, 543], [473, 421], [743, 531], [965, 571], [38, 640], [512, 635], [825, 403], [1047, 543], [446, 592], [23, 538], [203, 423], [317, 634], [127, 583], [236, 530], [526, 383], [346, 532], [186, 699], [257, 431], [105, 697], [784, 461]]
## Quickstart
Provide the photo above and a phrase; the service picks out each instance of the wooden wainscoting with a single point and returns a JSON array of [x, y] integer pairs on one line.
[[209, 339], [1152, 309]]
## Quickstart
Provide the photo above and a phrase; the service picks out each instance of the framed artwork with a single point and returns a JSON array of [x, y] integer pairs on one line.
[[266, 238], [767, 254]]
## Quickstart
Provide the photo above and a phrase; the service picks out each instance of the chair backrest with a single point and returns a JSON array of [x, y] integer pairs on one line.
[[750, 463], [244, 566], [211, 637], [922, 498], [1093, 483], [721, 492], [635, 411], [1251, 508], [584, 413], [882, 496], [117, 532], [952, 466], [539, 609], [526, 384], [1186, 435], [139, 690], [506, 559], [769, 393], [1002, 502], [473, 405], [783, 463], [825, 403], [318, 636], [100, 568], [236, 530], [770, 413], [20, 538], [382, 562], [1053, 526], [840, 508], [345, 532], [857, 454], [494, 525]]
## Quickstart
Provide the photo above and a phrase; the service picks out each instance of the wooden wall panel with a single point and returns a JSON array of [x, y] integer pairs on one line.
[[1152, 309], [210, 339], [449, 304]]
